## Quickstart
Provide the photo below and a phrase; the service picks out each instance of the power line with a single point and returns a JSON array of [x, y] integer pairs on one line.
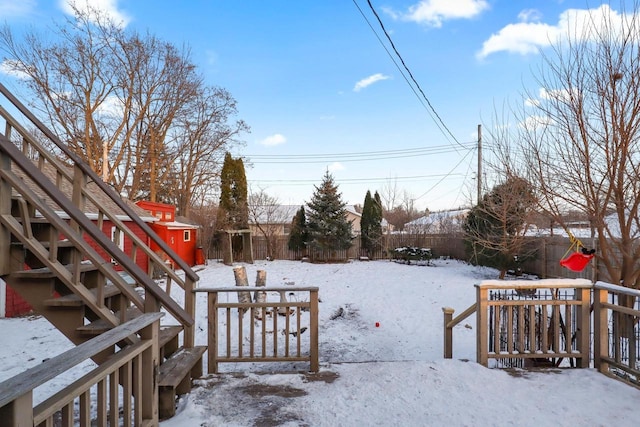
[[353, 156], [420, 100], [440, 123], [443, 178], [358, 180]]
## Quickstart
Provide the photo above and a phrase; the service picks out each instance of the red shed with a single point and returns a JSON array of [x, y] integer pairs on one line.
[[180, 236]]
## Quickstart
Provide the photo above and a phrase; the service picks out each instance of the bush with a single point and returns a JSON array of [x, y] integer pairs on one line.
[[407, 254]]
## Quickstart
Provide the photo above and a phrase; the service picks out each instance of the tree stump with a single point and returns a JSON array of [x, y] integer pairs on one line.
[[260, 296], [244, 297]]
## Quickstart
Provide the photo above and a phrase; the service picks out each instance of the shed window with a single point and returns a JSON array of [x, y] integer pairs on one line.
[[187, 235]]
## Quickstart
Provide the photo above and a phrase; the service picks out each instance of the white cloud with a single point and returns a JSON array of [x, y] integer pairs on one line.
[[522, 38], [434, 12], [10, 68], [528, 37], [335, 166], [272, 140], [14, 8], [534, 121], [369, 81], [108, 7]]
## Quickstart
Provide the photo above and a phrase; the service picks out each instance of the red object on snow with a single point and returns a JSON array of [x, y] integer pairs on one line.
[[577, 261], [377, 324]]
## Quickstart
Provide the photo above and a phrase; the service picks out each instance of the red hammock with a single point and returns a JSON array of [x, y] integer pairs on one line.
[[577, 261]]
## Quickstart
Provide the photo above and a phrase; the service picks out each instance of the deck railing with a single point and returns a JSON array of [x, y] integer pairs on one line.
[[280, 330], [125, 386], [528, 323], [617, 332]]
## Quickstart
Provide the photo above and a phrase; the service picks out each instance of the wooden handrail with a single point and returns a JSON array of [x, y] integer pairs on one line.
[[101, 184], [23, 383], [93, 231]]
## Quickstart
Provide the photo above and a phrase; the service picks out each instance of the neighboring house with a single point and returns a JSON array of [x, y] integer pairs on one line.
[[176, 232], [354, 217], [11, 304], [276, 220], [438, 222], [272, 220]]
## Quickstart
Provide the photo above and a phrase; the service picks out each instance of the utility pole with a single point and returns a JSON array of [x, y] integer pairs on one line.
[[479, 162]]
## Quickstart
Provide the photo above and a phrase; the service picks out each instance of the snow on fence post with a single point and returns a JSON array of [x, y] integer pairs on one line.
[[244, 297]]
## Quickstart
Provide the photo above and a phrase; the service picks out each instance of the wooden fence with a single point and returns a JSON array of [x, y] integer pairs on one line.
[[125, 385], [284, 329], [545, 263]]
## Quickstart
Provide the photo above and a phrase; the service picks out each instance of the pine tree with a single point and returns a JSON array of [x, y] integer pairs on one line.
[[371, 223], [233, 211], [329, 228], [299, 235], [495, 229]]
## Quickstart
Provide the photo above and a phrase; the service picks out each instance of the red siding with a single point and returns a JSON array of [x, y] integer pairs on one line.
[[141, 258], [15, 305], [174, 238]]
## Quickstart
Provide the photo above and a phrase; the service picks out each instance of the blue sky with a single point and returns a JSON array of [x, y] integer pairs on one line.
[[321, 90]]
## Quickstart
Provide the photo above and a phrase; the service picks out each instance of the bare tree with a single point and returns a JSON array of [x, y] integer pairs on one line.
[[205, 216], [132, 106], [269, 217], [580, 142]]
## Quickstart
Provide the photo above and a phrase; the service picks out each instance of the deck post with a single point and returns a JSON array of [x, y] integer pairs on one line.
[[19, 412], [448, 332], [600, 330], [313, 312], [149, 380], [482, 346]]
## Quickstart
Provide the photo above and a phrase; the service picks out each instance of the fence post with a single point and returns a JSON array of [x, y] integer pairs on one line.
[[19, 412], [212, 327], [313, 319], [584, 323], [448, 332], [150, 363], [482, 346], [600, 330]]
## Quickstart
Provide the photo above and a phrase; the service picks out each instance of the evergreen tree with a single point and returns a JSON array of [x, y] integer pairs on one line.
[[495, 228], [299, 235], [233, 210], [371, 223], [328, 226]]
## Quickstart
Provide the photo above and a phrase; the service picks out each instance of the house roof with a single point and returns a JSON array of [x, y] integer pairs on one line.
[[455, 216]]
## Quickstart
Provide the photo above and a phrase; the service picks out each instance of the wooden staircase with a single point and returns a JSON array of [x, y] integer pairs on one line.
[[63, 263]]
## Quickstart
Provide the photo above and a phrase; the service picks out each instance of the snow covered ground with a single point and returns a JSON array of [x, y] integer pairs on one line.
[[390, 375]]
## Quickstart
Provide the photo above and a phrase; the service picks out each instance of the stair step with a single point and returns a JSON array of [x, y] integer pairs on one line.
[[174, 377], [99, 326], [73, 300], [46, 273], [60, 243], [168, 340]]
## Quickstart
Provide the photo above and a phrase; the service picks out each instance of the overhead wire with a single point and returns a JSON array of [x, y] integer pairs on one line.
[[440, 123], [358, 180], [426, 107], [354, 156]]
